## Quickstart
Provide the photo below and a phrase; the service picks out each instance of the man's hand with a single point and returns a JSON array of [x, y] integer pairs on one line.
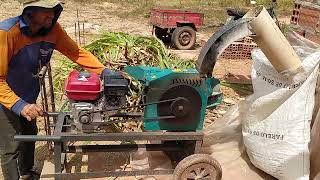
[[31, 111]]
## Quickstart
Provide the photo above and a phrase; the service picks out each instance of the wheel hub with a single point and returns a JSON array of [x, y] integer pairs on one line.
[[181, 107], [199, 171], [185, 38], [186, 108]]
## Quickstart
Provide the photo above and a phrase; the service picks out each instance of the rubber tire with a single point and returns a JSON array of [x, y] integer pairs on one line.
[[193, 160], [162, 34], [177, 32]]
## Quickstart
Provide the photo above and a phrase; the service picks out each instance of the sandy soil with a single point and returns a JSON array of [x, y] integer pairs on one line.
[[99, 15]]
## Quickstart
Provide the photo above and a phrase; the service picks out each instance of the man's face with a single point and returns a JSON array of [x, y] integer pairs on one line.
[[43, 18]]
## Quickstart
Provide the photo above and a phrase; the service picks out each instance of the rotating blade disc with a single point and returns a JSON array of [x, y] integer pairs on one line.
[[186, 108]]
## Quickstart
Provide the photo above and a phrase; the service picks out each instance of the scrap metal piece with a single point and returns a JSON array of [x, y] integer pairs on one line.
[[220, 40]]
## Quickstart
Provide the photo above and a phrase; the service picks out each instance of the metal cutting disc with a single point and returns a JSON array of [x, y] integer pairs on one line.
[[186, 107]]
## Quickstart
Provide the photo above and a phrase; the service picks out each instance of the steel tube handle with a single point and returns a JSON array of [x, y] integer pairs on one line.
[[42, 72], [34, 138]]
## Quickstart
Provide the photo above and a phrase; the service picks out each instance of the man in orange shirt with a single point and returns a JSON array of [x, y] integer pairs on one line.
[[27, 43]]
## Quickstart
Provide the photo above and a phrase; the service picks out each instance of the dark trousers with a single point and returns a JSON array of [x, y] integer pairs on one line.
[[17, 158]]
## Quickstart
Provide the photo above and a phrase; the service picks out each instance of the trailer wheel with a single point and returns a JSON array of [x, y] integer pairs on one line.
[[184, 37], [162, 34], [196, 167]]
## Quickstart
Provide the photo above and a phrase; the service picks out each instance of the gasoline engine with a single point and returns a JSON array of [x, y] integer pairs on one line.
[[92, 99]]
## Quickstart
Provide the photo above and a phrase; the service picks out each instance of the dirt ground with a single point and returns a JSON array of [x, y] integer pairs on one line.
[[99, 17]]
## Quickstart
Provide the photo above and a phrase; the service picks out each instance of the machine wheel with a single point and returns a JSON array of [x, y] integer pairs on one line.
[[162, 34], [196, 167], [184, 37]]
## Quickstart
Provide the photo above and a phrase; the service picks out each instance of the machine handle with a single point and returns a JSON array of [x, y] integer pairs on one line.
[[34, 138], [41, 73]]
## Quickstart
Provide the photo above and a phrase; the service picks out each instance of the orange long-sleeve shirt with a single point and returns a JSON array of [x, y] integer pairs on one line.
[[20, 57]]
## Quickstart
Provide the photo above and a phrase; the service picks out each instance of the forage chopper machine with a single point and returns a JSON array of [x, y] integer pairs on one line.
[[173, 100], [174, 103]]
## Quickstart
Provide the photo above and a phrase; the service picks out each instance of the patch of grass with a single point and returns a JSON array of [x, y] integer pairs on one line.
[[214, 10]]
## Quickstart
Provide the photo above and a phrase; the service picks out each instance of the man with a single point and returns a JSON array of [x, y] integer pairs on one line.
[[26, 43]]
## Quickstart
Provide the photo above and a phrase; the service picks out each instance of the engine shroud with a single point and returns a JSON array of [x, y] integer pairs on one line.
[[83, 86]]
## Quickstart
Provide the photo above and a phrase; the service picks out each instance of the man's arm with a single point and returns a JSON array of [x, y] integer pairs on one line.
[[82, 57], [7, 97]]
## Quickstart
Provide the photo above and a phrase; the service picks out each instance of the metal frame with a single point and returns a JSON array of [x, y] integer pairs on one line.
[[61, 136], [46, 73]]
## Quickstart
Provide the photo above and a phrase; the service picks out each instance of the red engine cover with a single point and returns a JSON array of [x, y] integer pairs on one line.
[[83, 86]]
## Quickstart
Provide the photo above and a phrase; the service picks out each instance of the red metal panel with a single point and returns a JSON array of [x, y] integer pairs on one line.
[[170, 18]]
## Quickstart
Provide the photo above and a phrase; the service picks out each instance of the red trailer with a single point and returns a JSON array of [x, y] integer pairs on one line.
[[176, 26]]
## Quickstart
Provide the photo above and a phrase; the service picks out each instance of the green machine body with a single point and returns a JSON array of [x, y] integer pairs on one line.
[[177, 99]]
